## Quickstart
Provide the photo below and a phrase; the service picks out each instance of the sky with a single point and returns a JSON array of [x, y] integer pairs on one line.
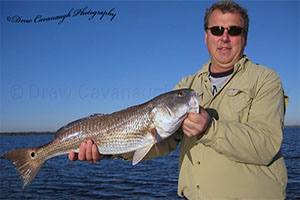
[[58, 70]]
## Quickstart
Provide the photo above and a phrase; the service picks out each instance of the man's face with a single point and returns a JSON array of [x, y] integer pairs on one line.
[[224, 50]]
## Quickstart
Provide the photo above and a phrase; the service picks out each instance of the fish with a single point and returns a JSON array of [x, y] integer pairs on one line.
[[134, 129]]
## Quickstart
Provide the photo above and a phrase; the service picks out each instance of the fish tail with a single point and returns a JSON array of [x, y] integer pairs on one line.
[[27, 163]]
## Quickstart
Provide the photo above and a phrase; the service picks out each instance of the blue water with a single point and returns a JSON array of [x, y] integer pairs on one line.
[[115, 179]]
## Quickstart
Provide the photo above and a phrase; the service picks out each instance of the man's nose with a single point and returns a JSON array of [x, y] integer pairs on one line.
[[225, 37]]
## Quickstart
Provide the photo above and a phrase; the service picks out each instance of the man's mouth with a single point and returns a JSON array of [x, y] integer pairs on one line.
[[224, 49]]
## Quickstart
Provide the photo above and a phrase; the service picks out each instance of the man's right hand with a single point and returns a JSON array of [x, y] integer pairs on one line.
[[88, 152]]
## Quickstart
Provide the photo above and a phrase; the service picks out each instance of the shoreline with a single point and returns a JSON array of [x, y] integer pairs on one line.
[[26, 133]]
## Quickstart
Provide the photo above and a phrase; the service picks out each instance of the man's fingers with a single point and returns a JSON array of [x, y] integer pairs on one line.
[[189, 126], [194, 117], [88, 151], [195, 124], [188, 123], [189, 131], [73, 156], [81, 154]]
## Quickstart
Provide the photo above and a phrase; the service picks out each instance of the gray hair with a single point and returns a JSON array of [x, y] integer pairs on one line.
[[228, 6]]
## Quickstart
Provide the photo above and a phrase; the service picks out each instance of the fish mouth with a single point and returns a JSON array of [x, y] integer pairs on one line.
[[194, 103]]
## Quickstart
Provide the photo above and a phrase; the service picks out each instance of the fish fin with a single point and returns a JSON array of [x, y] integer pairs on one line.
[[140, 154], [26, 163]]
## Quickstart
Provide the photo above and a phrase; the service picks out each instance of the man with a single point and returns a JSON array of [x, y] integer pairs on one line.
[[231, 149]]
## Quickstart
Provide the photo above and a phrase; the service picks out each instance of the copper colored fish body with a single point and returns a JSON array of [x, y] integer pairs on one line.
[[135, 129]]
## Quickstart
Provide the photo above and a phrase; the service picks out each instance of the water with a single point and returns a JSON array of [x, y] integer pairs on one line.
[[291, 153], [115, 179]]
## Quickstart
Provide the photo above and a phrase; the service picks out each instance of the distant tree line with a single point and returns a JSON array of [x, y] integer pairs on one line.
[[26, 133]]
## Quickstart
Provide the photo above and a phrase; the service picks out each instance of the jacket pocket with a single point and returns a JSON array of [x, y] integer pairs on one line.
[[239, 102]]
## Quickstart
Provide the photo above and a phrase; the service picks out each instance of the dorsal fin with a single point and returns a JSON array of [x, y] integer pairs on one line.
[[76, 122]]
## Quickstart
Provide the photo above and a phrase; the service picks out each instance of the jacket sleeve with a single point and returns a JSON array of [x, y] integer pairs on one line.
[[257, 141]]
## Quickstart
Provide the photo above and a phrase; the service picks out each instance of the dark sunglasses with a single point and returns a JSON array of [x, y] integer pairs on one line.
[[232, 30]]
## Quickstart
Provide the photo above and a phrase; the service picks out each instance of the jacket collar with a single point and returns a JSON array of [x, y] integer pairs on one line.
[[241, 64]]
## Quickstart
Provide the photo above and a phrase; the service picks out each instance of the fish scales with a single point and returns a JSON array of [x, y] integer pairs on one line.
[[121, 132], [118, 128], [135, 129], [127, 133]]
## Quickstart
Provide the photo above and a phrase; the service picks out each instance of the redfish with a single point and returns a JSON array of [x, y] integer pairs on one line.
[[135, 129]]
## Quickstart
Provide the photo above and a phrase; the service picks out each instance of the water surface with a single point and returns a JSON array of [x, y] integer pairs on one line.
[[115, 179]]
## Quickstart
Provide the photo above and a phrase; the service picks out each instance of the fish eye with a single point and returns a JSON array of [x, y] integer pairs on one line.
[[180, 94]]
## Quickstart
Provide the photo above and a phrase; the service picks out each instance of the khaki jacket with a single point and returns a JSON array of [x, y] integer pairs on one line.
[[239, 156]]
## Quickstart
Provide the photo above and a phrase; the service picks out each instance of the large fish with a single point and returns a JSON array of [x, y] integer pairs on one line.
[[135, 129]]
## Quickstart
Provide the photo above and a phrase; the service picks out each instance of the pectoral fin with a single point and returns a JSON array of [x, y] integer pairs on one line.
[[140, 154]]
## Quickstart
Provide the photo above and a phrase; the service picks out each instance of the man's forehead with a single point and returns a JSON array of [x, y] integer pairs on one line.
[[225, 15]]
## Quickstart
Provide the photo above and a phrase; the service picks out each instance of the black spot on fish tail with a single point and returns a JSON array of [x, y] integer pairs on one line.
[[26, 163]]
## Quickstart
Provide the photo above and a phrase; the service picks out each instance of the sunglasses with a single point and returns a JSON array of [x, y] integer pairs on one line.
[[232, 30]]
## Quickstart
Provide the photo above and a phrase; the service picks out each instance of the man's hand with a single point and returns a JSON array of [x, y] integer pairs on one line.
[[196, 124], [88, 152]]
